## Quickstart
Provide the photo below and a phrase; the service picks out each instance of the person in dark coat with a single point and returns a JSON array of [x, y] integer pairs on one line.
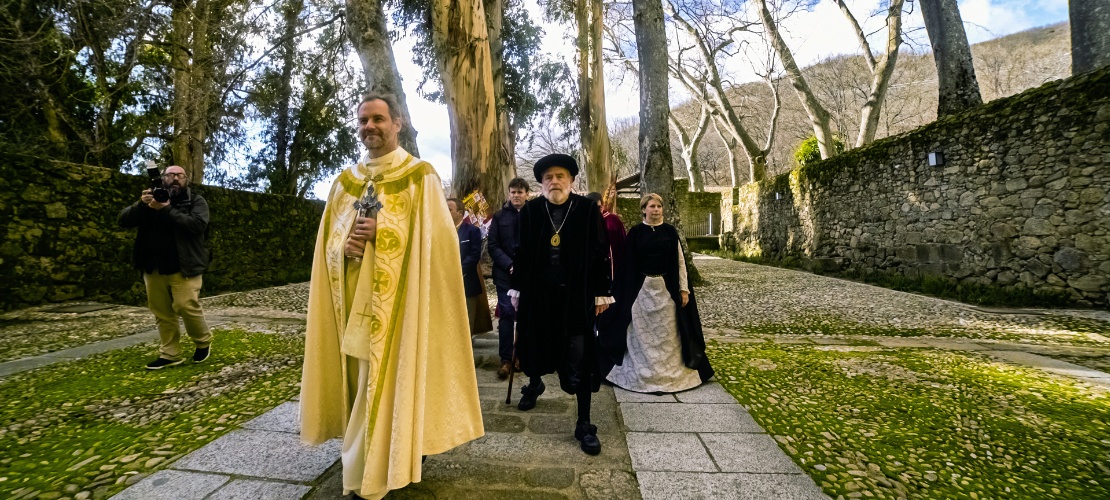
[[470, 250], [656, 341], [502, 242], [171, 254], [561, 283]]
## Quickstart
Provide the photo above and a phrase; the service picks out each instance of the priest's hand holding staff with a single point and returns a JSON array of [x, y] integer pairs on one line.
[[366, 229]]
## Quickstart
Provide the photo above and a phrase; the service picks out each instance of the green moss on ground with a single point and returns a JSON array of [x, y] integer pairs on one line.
[[1056, 330], [93, 424], [894, 423]]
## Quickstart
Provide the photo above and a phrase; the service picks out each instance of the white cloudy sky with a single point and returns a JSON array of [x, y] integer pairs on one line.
[[811, 35]]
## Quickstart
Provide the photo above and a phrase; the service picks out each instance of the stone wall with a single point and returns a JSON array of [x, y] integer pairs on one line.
[[1022, 199], [62, 242], [694, 208]]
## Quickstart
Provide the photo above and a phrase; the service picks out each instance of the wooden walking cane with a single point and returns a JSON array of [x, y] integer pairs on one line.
[[512, 369]]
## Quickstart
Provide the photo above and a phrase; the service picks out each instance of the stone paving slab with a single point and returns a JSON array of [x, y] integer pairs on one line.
[[668, 451], [283, 418], [262, 454], [173, 485], [21, 365], [727, 486], [625, 396], [249, 489], [665, 417], [709, 392], [748, 453]]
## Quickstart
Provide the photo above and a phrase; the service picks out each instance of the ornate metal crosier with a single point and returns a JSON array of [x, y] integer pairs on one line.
[[368, 206]]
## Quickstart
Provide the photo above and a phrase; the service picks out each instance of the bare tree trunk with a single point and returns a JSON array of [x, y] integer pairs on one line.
[[193, 84], [818, 116], [370, 37], [280, 180], [495, 12], [957, 88], [599, 168], [594, 132], [730, 147], [881, 70], [690, 143], [656, 174], [1090, 35], [461, 41]]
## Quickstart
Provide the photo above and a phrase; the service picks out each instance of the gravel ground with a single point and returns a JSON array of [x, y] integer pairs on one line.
[[35, 331], [740, 300], [746, 299]]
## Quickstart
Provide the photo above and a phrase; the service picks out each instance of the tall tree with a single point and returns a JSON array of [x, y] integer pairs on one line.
[[301, 103], [957, 88], [366, 27], [461, 41], [882, 69], [701, 76], [656, 172], [1090, 34], [532, 84], [819, 117], [74, 72], [689, 140], [596, 149]]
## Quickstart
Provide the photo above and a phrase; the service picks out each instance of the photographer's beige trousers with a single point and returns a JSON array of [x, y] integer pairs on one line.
[[169, 296]]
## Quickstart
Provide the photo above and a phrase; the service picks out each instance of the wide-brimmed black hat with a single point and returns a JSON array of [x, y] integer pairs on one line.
[[554, 160]]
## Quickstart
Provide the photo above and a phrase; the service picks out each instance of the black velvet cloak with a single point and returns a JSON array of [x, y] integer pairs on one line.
[[544, 330], [614, 335]]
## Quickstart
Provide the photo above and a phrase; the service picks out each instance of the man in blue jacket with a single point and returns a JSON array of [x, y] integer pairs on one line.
[[502, 242], [470, 249], [170, 252]]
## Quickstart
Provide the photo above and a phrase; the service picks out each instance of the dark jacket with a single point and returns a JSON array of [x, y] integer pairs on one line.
[[503, 241], [470, 249], [187, 218], [549, 316]]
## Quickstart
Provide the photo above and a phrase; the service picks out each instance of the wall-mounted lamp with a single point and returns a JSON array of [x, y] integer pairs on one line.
[[936, 159], [778, 196]]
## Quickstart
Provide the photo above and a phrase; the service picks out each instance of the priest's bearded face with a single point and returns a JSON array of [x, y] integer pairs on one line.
[[556, 184], [377, 129]]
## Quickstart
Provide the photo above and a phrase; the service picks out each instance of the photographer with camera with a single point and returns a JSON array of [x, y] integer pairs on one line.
[[170, 252]]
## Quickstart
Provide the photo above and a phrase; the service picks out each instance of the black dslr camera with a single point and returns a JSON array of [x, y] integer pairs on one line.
[[160, 193]]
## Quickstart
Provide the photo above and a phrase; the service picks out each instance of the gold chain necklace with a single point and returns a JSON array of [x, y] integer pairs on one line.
[[555, 239]]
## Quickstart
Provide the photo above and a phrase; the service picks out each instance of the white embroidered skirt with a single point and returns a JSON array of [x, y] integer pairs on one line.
[[653, 361]]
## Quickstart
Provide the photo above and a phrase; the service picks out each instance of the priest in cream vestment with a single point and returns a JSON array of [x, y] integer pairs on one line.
[[388, 363]]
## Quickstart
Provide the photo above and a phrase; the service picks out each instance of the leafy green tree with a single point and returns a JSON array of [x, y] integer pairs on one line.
[[301, 101]]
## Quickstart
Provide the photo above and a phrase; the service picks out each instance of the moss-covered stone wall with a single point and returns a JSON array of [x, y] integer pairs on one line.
[[1022, 199], [694, 208], [61, 240]]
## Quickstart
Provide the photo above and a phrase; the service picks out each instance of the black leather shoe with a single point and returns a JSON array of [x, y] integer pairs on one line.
[[529, 395], [587, 434]]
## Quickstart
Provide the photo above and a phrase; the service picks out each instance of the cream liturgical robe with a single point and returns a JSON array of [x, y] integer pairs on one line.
[[388, 362]]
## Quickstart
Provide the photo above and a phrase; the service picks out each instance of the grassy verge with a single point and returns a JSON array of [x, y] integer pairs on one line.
[[894, 423], [933, 286], [91, 427]]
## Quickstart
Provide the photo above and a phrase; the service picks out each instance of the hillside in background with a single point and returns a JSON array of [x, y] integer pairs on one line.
[[1004, 66]]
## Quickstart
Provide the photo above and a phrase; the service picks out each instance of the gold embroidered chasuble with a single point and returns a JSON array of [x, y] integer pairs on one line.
[[402, 309]]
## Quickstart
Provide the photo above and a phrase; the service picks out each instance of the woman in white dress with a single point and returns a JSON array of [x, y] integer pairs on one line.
[[657, 343]]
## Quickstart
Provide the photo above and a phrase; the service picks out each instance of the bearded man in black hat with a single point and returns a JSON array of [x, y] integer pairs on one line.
[[560, 284]]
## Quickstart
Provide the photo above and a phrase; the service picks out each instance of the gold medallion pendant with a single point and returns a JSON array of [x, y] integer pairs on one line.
[[555, 239]]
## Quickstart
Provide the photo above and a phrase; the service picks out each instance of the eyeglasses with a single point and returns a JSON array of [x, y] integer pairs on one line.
[[173, 176]]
